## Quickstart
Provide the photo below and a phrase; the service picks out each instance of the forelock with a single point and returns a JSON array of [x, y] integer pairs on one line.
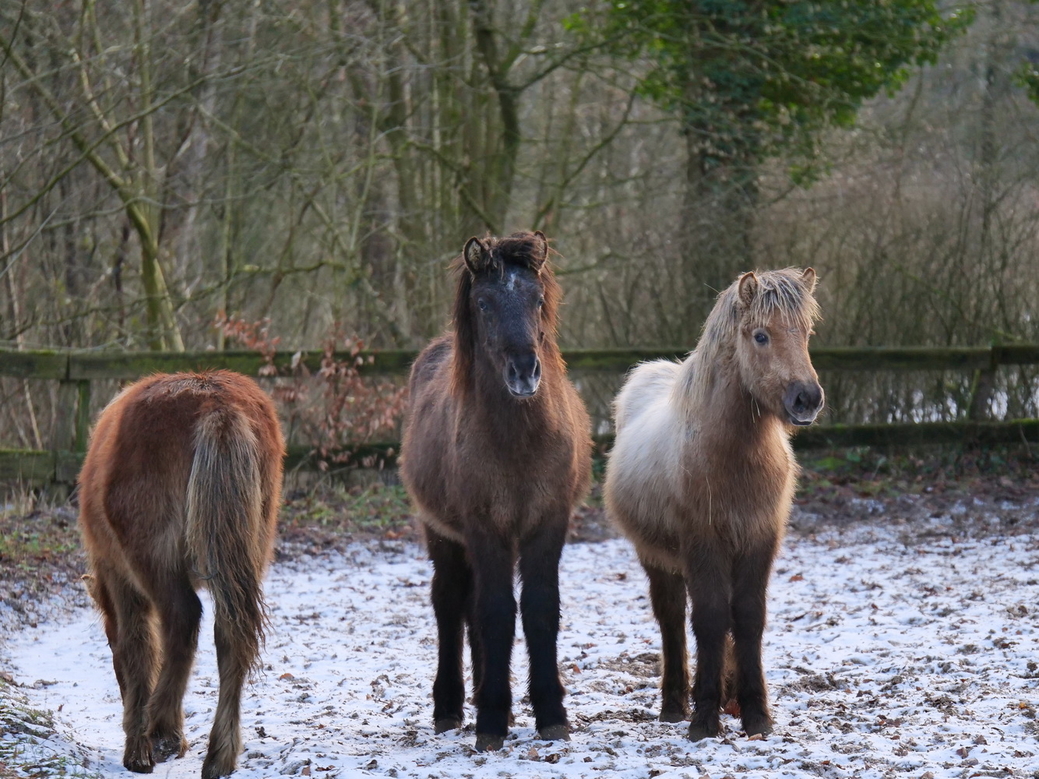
[[783, 292]]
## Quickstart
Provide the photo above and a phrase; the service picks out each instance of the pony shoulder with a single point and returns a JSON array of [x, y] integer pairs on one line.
[[430, 360]]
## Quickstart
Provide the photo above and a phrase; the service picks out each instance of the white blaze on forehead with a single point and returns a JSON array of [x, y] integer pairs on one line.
[[511, 284]]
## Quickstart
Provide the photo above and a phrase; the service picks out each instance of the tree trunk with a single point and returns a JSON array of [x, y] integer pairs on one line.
[[717, 231]]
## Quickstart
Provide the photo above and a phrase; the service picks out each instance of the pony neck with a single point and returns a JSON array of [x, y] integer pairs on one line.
[[710, 396]]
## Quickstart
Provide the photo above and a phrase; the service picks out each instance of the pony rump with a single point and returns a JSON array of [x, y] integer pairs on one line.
[[526, 250]]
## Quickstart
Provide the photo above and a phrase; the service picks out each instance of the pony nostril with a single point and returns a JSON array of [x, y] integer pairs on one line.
[[523, 374], [803, 402]]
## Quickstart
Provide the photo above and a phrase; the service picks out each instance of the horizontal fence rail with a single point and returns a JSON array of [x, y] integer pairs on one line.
[[75, 370], [86, 366]]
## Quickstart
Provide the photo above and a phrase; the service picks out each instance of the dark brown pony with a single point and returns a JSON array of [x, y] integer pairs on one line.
[[496, 453], [180, 490], [701, 479]]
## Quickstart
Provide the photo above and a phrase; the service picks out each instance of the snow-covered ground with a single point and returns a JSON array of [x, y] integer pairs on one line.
[[891, 651]]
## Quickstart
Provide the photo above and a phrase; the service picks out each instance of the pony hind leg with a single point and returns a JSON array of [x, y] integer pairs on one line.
[[539, 606], [668, 595], [750, 583], [451, 594], [710, 589], [237, 647], [475, 648], [180, 613], [239, 613]]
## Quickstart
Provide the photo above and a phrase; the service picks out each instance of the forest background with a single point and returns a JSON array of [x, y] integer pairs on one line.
[[316, 164]]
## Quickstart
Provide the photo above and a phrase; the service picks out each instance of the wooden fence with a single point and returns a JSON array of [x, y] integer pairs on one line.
[[75, 371]]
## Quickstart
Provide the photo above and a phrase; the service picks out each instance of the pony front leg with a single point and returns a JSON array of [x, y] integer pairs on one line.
[[708, 579], [751, 575], [495, 616], [539, 605], [451, 591]]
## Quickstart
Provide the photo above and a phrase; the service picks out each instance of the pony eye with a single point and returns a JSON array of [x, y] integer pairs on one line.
[[541, 302], [482, 304], [761, 337]]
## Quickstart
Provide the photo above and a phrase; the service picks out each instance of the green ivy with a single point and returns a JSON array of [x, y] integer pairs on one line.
[[753, 80]]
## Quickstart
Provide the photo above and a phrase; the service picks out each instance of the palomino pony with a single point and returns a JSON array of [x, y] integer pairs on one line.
[[180, 490], [496, 453], [701, 479]]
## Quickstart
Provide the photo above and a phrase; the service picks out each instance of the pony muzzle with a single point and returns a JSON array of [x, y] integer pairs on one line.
[[523, 375], [802, 402]]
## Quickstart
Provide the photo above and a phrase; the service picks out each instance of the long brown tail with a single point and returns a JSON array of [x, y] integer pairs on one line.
[[225, 527]]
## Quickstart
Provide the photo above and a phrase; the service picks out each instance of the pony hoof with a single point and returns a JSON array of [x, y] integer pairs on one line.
[[214, 768], [139, 765], [487, 742], [759, 727], [138, 757], [673, 715], [699, 731], [165, 747], [445, 724], [555, 733]]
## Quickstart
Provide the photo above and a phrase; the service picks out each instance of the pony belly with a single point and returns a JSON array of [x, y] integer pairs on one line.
[[644, 511]]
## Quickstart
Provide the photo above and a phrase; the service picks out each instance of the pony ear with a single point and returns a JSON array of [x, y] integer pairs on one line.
[[539, 252], [475, 255], [809, 279], [747, 288]]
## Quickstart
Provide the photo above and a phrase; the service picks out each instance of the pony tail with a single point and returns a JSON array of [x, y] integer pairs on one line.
[[224, 532]]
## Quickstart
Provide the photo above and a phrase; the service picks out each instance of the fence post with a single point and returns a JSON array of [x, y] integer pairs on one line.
[[982, 388], [79, 443], [64, 436]]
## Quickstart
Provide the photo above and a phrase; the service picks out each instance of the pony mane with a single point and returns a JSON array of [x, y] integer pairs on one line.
[[517, 250], [781, 292]]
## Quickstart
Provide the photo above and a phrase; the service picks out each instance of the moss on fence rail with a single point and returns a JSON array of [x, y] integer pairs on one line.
[[26, 466], [88, 366], [76, 370]]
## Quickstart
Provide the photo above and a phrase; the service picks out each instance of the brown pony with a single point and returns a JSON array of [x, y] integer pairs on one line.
[[180, 490], [496, 453], [701, 479]]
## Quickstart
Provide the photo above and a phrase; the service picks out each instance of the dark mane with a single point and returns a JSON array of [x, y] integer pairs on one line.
[[516, 250]]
